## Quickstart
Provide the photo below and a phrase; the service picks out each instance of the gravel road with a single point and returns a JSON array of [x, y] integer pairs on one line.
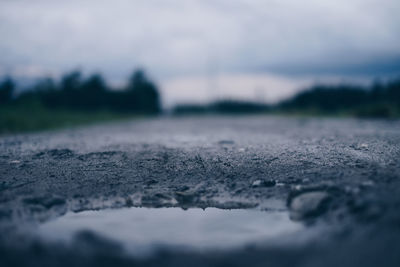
[[339, 172]]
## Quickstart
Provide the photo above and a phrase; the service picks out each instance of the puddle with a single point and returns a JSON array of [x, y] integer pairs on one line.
[[143, 230]]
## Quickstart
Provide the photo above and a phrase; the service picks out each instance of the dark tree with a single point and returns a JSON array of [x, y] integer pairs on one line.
[[144, 93], [45, 85], [393, 92], [6, 90], [94, 84], [93, 92], [71, 81], [76, 93], [70, 87], [48, 92], [328, 98]]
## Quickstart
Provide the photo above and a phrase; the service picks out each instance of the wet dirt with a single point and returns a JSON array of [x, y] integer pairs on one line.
[[343, 173]]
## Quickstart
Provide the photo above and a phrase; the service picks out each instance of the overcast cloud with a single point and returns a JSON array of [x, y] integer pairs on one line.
[[177, 40]]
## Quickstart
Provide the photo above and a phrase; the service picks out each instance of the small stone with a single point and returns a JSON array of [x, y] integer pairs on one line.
[[151, 182], [256, 183], [351, 190], [308, 205], [185, 197], [263, 183], [226, 142], [367, 183], [297, 187], [184, 188], [45, 201], [128, 202], [364, 145], [156, 200]]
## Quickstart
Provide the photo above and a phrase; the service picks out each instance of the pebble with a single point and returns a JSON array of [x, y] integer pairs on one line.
[[226, 142], [263, 183], [307, 205], [367, 183], [364, 145], [185, 197]]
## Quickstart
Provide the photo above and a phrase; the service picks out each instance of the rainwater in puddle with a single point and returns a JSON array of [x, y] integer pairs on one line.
[[141, 231]]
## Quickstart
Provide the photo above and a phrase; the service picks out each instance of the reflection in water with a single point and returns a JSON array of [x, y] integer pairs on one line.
[[141, 230]]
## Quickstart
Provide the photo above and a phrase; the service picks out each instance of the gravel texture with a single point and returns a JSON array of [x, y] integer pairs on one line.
[[340, 172]]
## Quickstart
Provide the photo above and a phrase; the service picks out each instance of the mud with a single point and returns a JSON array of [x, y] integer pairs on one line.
[[343, 173]]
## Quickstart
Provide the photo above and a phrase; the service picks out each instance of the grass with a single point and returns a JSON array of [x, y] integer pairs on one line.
[[33, 116], [26, 118]]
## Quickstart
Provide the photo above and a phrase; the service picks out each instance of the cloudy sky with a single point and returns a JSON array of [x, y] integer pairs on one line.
[[204, 49]]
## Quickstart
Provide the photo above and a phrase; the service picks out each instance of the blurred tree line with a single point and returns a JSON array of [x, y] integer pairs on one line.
[[140, 95], [223, 106], [378, 100]]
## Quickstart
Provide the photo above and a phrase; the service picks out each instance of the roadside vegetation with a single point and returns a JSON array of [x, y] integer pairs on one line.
[[17, 118], [381, 100], [74, 101], [378, 101]]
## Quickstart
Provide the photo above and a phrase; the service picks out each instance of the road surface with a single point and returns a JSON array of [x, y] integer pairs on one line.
[[339, 172]]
